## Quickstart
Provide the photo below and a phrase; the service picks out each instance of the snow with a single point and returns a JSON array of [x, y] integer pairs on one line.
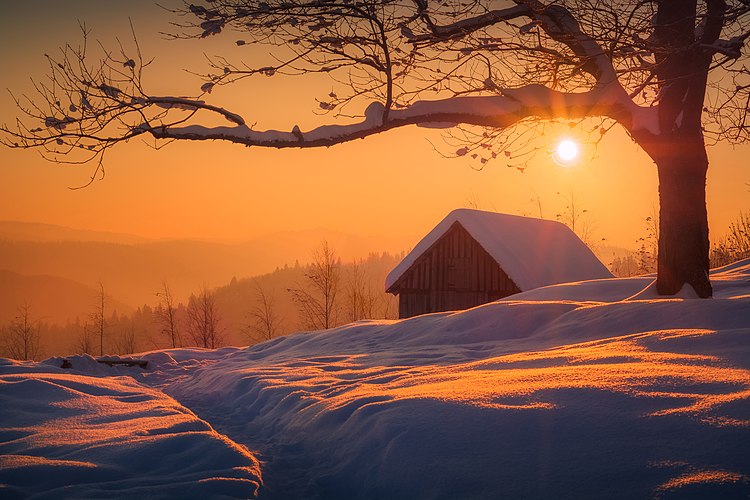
[[482, 110], [65, 434], [533, 252], [607, 98], [574, 390]]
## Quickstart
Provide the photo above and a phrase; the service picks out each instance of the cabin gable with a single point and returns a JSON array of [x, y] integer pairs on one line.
[[454, 273]]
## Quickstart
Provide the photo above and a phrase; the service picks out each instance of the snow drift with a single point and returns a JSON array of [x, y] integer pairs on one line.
[[67, 435], [582, 390]]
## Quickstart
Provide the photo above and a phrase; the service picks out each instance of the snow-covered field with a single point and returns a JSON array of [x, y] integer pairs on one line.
[[585, 390]]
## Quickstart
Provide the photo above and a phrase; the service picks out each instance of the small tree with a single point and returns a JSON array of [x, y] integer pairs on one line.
[[166, 315], [22, 337], [98, 319], [125, 342], [648, 250], [84, 343], [735, 245], [265, 322], [359, 298], [203, 321], [316, 297], [578, 219], [646, 260], [625, 266]]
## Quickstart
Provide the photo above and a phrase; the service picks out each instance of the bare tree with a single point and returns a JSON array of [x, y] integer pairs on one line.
[[316, 297], [84, 343], [647, 253], [388, 306], [265, 322], [203, 321], [578, 219], [22, 337], [537, 201], [672, 73], [125, 342], [98, 319], [734, 245], [166, 315], [360, 298]]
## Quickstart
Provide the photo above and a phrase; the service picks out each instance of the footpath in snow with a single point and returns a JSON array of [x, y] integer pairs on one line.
[[596, 389]]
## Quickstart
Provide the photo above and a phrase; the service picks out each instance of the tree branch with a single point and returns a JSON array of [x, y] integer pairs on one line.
[[191, 104], [467, 26], [533, 101], [563, 27]]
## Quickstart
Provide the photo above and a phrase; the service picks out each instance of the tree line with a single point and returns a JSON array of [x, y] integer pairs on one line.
[[730, 247], [324, 293]]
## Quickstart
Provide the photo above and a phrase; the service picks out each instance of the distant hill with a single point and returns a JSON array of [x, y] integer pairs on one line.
[[51, 299], [38, 232], [133, 271]]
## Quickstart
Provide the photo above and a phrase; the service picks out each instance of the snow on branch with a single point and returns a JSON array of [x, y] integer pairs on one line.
[[555, 20], [731, 48], [563, 27], [466, 26], [191, 105], [533, 101]]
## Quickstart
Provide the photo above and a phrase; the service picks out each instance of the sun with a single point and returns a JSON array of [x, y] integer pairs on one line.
[[566, 153]]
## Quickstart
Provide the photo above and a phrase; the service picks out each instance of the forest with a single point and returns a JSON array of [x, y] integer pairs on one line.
[[244, 311], [323, 293]]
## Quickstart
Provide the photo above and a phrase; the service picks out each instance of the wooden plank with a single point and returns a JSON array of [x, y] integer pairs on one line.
[[479, 259], [130, 362], [481, 272], [443, 267]]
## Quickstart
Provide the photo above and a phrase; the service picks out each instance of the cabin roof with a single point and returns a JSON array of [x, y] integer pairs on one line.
[[532, 252]]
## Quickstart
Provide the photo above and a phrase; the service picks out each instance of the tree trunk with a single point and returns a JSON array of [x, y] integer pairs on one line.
[[683, 221]]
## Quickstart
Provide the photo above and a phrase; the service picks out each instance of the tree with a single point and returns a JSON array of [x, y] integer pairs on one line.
[[734, 245], [647, 253], [644, 65], [316, 298], [166, 315], [625, 266], [203, 321], [97, 319], [125, 343], [360, 299], [577, 219], [21, 338], [84, 344], [265, 322]]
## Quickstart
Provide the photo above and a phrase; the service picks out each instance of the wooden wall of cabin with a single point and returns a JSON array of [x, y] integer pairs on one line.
[[456, 273]]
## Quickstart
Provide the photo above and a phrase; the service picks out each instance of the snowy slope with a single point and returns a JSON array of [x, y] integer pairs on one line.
[[67, 435], [584, 390]]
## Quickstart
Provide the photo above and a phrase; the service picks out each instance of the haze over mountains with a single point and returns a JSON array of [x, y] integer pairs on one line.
[[52, 299], [40, 232], [57, 268]]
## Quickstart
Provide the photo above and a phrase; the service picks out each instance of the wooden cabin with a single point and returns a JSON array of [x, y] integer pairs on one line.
[[474, 257]]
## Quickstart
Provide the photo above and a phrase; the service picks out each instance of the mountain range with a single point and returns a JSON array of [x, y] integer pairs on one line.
[[44, 261]]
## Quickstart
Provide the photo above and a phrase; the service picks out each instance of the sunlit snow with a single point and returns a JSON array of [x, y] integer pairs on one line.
[[595, 389]]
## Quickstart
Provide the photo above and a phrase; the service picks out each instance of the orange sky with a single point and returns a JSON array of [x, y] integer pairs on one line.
[[393, 184]]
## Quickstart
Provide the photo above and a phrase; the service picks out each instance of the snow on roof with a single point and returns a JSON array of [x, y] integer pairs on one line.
[[533, 252]]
